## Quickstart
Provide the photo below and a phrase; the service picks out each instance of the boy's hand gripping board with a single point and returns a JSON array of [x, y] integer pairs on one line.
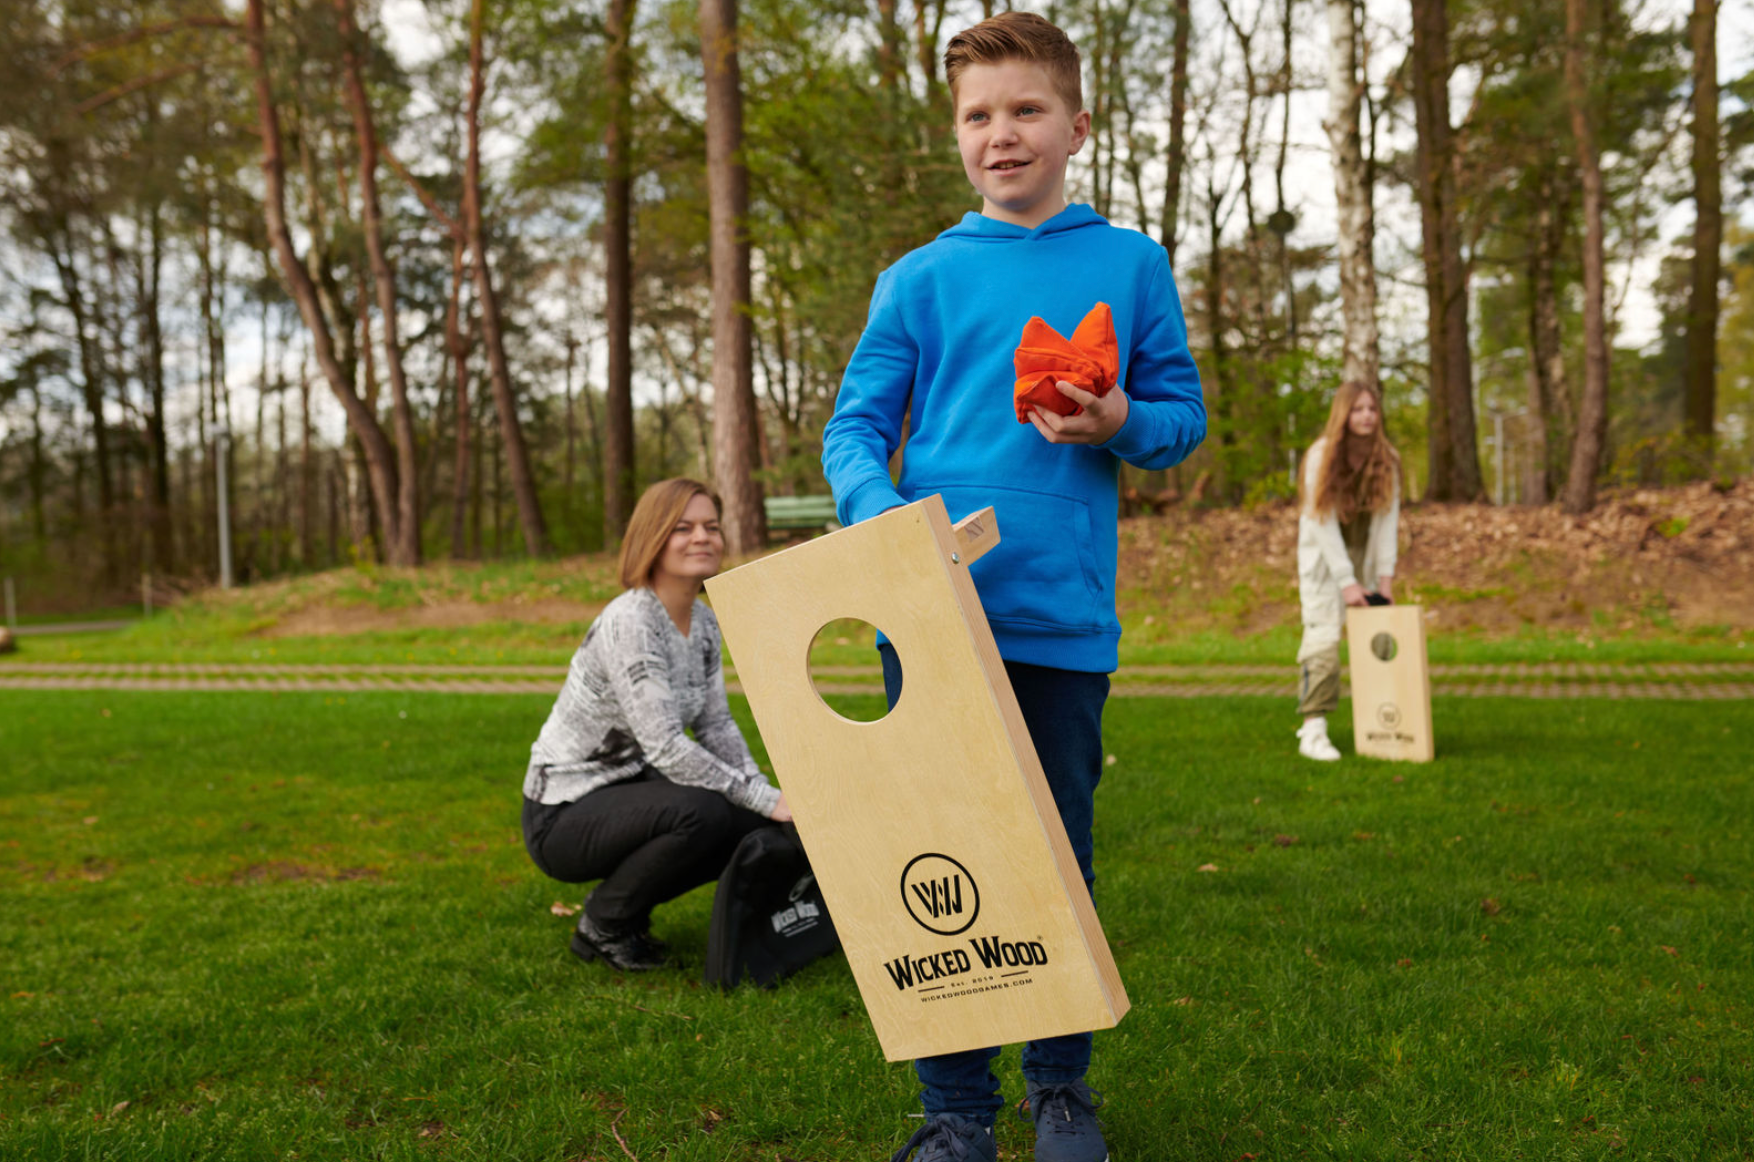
[[1391, 682], [932, 831]]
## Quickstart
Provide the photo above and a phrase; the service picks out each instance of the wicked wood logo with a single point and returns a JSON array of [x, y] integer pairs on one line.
[[940, 894]]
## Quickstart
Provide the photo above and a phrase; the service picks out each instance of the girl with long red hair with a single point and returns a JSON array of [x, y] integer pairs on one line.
[[1350, 493]]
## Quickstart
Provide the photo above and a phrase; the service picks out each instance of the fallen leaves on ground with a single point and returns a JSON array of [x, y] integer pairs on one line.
[[1641, 552]]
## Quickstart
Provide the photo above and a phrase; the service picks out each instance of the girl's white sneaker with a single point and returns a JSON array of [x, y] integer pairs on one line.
[[1312, 741]]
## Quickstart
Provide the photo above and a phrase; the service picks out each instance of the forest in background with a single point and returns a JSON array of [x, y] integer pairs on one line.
[[451, 278]]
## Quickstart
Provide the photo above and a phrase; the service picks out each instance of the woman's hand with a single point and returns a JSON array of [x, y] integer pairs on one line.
[[782, 811], [1353, 595], [1385, 585]]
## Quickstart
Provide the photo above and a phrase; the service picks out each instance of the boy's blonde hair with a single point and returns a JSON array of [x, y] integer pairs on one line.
[[1018, 36], [648, 529]]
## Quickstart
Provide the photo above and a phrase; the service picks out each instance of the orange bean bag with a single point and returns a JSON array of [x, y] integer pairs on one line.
[[1090, 359]]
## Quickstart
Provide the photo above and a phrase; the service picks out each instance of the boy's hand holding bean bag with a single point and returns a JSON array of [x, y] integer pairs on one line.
[[1089, 360]]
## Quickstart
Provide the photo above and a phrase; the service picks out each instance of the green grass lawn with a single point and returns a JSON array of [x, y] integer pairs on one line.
[[201, 636], [300, 925]]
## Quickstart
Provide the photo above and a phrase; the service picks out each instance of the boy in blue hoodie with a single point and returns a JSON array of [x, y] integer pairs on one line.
[[937, 352]]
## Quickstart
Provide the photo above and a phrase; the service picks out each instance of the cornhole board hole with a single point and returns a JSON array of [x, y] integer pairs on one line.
[[932, 832], [1391, 682]]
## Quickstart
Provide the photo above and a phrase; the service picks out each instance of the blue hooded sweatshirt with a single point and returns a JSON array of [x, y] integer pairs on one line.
[[937, 350]]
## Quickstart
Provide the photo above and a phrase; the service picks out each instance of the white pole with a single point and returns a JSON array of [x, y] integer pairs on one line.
[[146, 594], [222, 440], [1291, 474], [1498, 452], [11, 606]]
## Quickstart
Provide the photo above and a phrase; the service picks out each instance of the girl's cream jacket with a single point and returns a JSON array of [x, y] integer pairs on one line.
[[1324, 568]]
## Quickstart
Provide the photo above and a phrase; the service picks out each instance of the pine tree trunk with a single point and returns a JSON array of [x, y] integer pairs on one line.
[[401, 524], [889, 46], [1702, 305], [1455, 460], [1357, 228], [1223, 407], [159, 504], [1549, 391], [619, 480], [511, 431], [457, 344], [735, 453], [361, 518], [307, 473], [1592, 420], [93, 375], [376, 449], [38, 469], [1178, 114]]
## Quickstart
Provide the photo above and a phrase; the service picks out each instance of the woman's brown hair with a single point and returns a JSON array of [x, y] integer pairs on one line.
[[1345, 488], [648, 529]]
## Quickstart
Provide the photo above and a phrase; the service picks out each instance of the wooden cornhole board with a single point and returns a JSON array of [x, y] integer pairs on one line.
[[1391, 682], [932, 831]]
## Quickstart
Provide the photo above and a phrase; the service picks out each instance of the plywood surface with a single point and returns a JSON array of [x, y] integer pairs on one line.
[[1391, 697], [932, 831]]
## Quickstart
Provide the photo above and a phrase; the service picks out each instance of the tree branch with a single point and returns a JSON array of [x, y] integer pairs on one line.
[[421, 192], [134, 86], [74, 55]]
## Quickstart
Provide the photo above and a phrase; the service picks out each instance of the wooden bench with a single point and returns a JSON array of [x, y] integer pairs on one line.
[[793, 514]]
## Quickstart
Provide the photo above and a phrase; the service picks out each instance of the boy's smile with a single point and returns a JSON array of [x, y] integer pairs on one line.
[[1016, 133]]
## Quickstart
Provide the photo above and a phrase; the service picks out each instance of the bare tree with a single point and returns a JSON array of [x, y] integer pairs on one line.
[[1708, 230], [511, 431], [735, 439], [1592, 425], [1352, 192]]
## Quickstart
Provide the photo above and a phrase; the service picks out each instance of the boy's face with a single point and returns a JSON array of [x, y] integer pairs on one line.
[[1016, 133]]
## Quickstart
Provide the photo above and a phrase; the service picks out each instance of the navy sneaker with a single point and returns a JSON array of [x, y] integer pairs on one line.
[[1066, 1129], [950, 1138]]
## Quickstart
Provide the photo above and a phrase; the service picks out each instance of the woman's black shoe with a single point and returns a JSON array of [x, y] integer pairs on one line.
[[631, 952]]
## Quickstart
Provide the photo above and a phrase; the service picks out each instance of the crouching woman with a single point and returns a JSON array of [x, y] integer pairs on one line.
[[616, 789], [1350, 495]]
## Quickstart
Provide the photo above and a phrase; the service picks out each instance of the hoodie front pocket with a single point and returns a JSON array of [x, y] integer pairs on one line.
[[1043, 570]]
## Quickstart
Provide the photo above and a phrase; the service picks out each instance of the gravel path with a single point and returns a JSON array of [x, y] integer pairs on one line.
[[1727, 681]]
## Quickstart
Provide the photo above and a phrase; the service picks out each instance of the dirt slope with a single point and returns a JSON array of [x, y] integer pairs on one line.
[[1681, 558]]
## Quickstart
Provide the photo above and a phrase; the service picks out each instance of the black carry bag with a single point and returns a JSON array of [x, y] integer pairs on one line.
[[768, 916]]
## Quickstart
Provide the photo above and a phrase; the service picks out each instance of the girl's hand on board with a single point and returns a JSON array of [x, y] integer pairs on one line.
[[1353, 595]]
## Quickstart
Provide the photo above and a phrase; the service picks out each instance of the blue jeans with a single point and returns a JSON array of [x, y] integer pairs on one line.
[[1063, 710]]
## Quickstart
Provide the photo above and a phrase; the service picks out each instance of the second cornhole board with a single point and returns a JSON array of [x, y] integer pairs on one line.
[[1391, 682], [932, 831]]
